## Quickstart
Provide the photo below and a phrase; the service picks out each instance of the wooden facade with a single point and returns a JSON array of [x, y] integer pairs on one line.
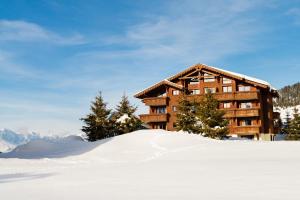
[[247, 102]]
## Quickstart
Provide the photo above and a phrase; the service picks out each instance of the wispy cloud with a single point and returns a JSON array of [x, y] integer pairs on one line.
[[23, 31], [295, 13]]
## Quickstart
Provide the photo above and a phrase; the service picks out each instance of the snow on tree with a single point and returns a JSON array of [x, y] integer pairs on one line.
[[97, 124], [293, 129], [123, 118]]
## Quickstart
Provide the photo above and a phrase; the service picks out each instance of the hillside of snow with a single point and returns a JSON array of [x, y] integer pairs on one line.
[[151, 164]]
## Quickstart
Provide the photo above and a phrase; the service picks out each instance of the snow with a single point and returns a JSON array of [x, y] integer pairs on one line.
[[283, 112], [151, 164], [246, 77], [123, 118], [10, 139]]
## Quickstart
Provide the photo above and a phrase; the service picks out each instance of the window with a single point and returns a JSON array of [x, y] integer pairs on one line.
[[208, 78], [162, 95], [227, 105], [194, 92], [246, 105], [160, 110], [194, 81], [243, 88], [175, 92], [174, 108], [211, 90], [174, 125], [246, 122], [227, 89], [226, 80]]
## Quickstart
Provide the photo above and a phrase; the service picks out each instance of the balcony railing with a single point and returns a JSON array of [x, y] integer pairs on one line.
[[154, 118], [237, 96], [251, 95], [244, 130], [240, 112], [155, 101]]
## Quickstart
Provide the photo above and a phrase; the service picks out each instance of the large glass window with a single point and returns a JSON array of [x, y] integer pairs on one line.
[[208, 78], [227, 89], [227, 105], [243, 88], [194, 92], [246, 122], [160, 110], [211, 90], [175, 92], [194, 81], [246, 105], [226, 80]]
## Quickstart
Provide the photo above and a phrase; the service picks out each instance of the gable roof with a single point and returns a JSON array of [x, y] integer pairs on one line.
[[164, 82], [235, 75], [242, 77]]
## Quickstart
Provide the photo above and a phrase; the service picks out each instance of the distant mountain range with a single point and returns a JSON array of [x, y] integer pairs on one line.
[[289, 96], [10, 139]]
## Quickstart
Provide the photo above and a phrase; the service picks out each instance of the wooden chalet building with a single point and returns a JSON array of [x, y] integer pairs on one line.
[[247, 101]]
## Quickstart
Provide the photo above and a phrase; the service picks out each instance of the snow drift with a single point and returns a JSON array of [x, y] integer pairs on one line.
[[152, 164]]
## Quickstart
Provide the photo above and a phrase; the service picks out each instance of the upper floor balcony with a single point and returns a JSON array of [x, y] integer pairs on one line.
[[148, 118], [241, 112], [156, 101]]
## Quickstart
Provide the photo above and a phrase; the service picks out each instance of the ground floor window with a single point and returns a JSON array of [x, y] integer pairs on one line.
[[160, 126]]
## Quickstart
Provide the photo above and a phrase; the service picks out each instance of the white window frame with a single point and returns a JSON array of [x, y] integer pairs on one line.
[[174, 108], [246, 105], [175, 92], [226, 105], [243, 88], [195, 92], [226, 80], [213, 90], [228, 89]]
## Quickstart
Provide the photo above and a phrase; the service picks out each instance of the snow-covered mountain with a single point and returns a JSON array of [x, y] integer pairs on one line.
[[10, 139]]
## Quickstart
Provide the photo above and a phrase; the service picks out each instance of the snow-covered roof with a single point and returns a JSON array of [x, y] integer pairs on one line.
[[164, 82], [239, 76]]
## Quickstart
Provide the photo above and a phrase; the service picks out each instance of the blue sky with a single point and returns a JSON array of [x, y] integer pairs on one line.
[[56, 55]]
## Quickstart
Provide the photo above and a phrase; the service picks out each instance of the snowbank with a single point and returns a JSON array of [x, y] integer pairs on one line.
[[152, 164]]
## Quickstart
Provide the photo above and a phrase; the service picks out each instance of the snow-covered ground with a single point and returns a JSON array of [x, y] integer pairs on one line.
[[151, 164]]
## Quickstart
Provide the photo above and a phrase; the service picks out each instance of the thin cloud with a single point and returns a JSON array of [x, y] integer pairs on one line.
[[23, 31]]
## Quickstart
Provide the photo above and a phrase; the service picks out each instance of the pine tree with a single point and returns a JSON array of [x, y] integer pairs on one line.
[[293, 129], [186, 118], [211, 118], [97, 122], [124, 119]]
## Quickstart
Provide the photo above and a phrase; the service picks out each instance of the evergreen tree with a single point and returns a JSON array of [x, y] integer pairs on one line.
[[212, 123], [97, 125], [293, 129], [186, 118], [124, 119]]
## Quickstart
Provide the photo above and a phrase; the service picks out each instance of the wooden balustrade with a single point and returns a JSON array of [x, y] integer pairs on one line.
[[146, 118], [155, 101]]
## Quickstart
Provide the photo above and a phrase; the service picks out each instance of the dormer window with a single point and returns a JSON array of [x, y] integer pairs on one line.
[[208, 78]]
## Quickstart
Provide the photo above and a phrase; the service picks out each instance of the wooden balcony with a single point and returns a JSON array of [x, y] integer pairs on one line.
[[250, 112], [147, 118], [155, 101], [244, 130], [237, 96], [239, 112]]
